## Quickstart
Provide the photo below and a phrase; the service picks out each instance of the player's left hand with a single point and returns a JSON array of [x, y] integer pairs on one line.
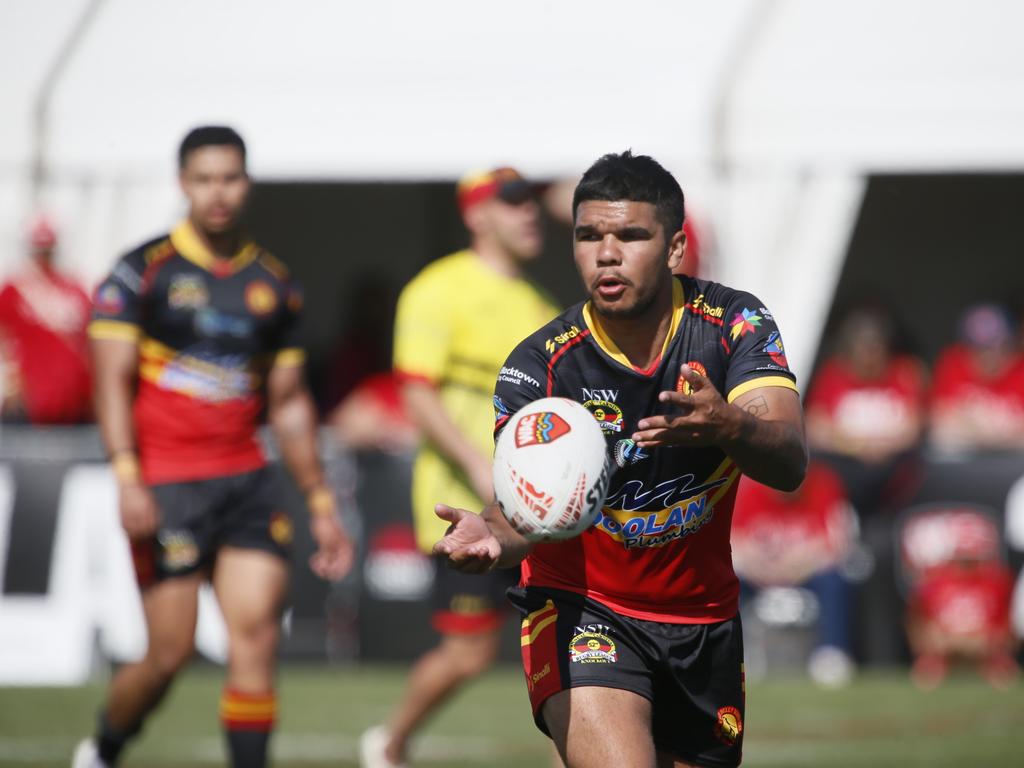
[[335, 552], [702, 417]]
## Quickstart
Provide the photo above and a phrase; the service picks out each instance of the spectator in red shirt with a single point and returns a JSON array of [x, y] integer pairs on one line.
[[865, 411], [43, 316], [978, 394], [802, 538]]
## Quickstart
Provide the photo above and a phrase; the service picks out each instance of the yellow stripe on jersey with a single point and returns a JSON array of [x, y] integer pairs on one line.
[[114, 329], [187, 243], [763, 381], [291, 357], [612, 349]]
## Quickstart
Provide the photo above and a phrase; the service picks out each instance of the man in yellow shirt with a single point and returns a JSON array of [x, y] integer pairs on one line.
[[457, 320]]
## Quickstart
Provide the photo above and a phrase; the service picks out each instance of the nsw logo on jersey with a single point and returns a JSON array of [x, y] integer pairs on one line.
[[539, 428]]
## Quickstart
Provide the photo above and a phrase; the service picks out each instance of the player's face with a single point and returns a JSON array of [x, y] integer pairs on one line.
[[515, 227], [623, 255], [216, 185]]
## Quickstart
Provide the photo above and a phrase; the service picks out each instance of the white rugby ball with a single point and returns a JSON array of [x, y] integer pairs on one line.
[[551, 469]]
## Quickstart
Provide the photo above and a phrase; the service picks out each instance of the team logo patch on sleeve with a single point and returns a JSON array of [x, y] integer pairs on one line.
[[729, 725], [773, 346], [109, 299], [743, 323], [607, 413], [540, 428], [590, 647]]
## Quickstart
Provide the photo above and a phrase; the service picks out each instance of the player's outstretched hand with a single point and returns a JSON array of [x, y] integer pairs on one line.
[[469, 545], [140, 516], [335, 553], [701, 416]]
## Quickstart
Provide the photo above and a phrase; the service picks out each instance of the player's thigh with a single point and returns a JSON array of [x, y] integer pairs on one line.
[[599, 727], [251, 585], [171, 608]]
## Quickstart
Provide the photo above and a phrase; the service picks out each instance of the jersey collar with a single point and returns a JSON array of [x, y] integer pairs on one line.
[[605, 342], [187, 243]]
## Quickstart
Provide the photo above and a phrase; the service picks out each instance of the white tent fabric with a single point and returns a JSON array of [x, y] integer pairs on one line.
[[771, 112]]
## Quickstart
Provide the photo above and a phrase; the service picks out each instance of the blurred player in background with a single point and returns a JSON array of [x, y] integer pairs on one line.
[[191, 333], [43, 316], [457, 321], [631, 640]]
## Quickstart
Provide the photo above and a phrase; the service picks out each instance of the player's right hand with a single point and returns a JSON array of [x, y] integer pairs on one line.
[[468, 544], [140, 516]]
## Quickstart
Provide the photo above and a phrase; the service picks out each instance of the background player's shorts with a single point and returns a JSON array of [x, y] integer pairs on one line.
[[198, 518], [691, 673], [465, 604]]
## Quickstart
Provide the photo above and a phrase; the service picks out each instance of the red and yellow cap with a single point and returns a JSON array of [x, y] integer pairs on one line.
[[504, 183]]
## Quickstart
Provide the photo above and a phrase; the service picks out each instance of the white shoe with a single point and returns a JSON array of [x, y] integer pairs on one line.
[[371, 749], [87, 756], [831, 667]]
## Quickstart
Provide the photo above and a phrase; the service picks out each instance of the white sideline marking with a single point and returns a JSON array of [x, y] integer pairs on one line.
[[289, 746]]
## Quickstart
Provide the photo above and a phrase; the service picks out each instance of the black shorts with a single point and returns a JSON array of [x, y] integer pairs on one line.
[[197, 518], [691, 673], [465, 604]]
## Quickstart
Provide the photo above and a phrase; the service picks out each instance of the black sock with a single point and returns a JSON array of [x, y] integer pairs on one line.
[[110, 741], [248, 748]]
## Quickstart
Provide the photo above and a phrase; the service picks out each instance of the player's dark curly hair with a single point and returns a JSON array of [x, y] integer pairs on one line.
[[209, 136], [638, 178]]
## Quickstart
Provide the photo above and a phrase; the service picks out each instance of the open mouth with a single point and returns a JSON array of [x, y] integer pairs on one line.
[[610, 287]]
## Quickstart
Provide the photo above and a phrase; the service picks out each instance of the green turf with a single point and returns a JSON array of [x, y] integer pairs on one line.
[[879, 721]]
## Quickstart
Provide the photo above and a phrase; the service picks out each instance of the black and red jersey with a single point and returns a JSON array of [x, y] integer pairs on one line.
[[208, 331], [660, 549]]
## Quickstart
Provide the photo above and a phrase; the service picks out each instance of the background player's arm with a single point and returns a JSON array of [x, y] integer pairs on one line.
[[115, 372], [477, 543], [425, 408], [761, 430], [292, 416]]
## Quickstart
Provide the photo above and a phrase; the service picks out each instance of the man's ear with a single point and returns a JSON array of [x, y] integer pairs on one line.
[[676, 250]]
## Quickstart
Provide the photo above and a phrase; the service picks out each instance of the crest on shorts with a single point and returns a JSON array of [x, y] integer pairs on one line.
[[179, 550], [281, 529], [592, 648], [540, 428], [729, 725]]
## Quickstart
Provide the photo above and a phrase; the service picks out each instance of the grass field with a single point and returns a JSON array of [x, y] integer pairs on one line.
[[879, 721]]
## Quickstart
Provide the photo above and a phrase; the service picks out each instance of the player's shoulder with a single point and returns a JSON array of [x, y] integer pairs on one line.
[[133, 263], [714, 298], [557, 333], [271, 266]]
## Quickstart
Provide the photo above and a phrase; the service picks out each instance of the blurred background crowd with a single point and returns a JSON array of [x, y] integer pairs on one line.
[[893, 262]]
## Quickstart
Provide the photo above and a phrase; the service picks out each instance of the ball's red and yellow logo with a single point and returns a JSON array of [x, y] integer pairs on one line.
[[540, 428], [260, 298], [729, 725]]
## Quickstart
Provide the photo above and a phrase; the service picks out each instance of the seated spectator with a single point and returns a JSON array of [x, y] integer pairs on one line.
[[801, 539], [978, 392], [959, 603], [43, 316], [373, 417], [865, 412]]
